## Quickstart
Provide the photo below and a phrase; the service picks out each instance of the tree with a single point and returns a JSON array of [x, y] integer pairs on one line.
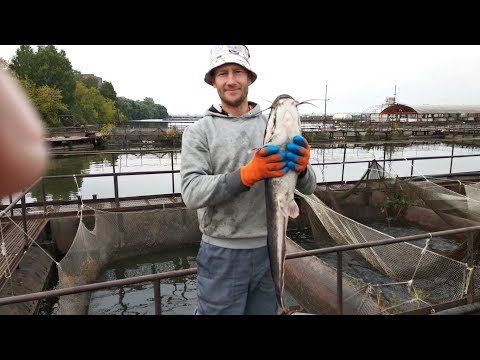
[[89, 82], [146, 109], [161, 112], [125, 106], [47, 101], [91, 107], [108, 91], [46, 67]]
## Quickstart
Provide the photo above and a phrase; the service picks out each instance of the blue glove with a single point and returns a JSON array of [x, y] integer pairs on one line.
[[274, 149], [298, 154]]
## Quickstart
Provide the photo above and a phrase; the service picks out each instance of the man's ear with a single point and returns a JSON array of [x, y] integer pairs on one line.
[[250, 78]]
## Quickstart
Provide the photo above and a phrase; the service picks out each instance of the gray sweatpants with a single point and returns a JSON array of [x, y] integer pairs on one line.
[[234, 282]]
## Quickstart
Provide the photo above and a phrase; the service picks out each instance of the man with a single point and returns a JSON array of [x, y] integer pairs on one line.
[[222, 179], [23, 153]]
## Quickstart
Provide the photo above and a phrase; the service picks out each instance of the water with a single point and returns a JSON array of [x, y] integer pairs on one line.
[[138, 185], [178, 295], [386, 152]]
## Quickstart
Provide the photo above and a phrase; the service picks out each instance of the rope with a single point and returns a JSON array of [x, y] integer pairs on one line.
[[393, 283], [3, 248], [80, 211], [469, 279], [416, 170], [8, 271], [30, 238]]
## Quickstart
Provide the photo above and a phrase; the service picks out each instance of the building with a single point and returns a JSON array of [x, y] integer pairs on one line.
[[92, 76], [392, 111]]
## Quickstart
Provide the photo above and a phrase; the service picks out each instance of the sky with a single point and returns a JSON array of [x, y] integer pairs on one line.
[[356, 77]]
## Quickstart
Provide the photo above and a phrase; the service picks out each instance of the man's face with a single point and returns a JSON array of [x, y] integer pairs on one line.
[[232, 82]]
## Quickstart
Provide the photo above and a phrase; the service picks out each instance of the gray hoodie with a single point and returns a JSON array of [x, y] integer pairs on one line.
[[214, 148]]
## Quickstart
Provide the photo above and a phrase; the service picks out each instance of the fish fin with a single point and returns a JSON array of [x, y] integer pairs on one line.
[[293, 209], [289, 209], [253, 150]]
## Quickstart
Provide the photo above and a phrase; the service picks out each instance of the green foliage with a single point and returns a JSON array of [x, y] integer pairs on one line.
[[139, 110], [89, 82], [47, 101], [57, 89], [108, 92], [172, 134], [106, 130], [318, 136], [45, 67], [419, 294], [397, 200], [91, 107], [395, 205]]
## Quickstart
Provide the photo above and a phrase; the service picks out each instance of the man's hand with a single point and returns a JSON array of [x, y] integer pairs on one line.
[[268, 162], [298, 154]]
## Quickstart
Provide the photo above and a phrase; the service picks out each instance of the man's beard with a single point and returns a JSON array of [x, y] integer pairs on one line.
[[237, 102]]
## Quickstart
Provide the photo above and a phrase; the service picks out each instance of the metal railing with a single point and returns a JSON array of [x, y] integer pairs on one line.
[[410, 159], [43, 203], [14, 203], [156, 278]]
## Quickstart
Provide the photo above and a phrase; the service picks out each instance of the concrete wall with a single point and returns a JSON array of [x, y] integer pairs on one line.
[[64, 230]]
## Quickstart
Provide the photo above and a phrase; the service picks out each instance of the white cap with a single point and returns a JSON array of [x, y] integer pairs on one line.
[[224, 54]]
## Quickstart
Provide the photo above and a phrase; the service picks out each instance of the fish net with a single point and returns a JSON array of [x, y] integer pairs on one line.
[[116, 236], [409, 276]]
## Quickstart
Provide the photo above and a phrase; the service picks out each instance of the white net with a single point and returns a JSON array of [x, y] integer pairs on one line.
[[428, 277], [446, 201], [473, 191], [417, 276], [119, 235]]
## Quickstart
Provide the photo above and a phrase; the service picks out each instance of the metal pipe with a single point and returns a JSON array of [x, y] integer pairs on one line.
[[460, 310], [177, 273], [24, 221], [340, 282], [382, 242], [11, 200], [44, 197], [157, 297], [19, 197], [115, 183], [96, 286], [451, 159], [173, 179]]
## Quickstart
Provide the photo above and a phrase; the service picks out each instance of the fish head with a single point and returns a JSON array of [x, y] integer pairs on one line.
[[283, 122]]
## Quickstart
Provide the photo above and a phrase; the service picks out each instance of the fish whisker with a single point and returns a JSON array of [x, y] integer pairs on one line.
[[309, 102]]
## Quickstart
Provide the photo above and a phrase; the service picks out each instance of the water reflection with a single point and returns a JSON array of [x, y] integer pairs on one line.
[[178, 295], [137, 185]]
